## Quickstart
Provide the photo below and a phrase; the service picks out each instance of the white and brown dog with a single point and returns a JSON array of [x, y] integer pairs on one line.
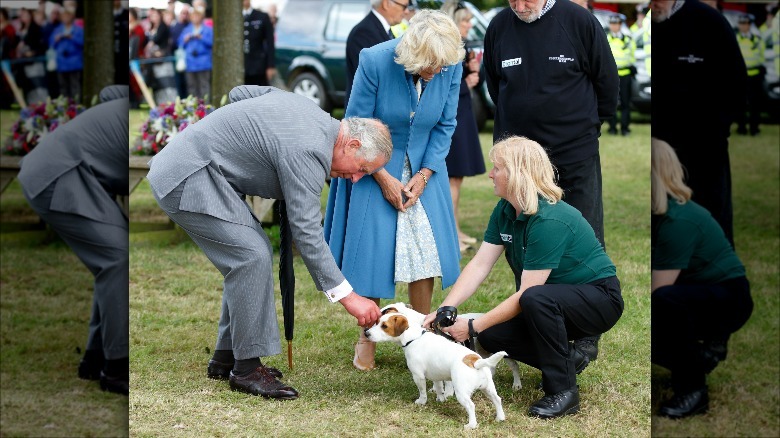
[[418, 318], [429, 356]]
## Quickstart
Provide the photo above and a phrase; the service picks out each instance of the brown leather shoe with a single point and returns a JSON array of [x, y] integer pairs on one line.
[[261, 382], [221, 370]]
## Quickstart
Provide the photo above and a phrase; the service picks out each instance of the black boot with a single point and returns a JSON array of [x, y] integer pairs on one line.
[[557, 405], [686, 404], [589, 346], [713, 352], [91, 364]]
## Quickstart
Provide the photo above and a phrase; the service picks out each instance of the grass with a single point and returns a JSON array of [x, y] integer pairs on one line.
[[175, 299]]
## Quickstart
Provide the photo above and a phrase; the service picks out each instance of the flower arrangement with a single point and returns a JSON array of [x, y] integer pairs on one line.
[[166, 121], [38, 120]]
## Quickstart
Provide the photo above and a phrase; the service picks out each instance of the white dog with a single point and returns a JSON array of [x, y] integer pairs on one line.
[[429, 356], [417, 318]]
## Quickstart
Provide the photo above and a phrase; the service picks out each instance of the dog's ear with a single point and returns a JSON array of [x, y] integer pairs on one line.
[[390, 310], [399, 325]]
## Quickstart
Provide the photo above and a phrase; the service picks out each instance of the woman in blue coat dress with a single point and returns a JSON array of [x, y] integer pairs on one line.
[[398, 227]]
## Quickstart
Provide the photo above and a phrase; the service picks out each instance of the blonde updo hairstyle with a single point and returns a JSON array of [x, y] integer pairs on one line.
[[530, 173], [432, 41], [667, 177]]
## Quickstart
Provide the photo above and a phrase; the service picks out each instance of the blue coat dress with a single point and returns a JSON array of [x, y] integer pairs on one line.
[[360, 225]]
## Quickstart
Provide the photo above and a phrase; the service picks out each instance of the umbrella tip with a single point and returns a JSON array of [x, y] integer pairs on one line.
[[289, 354]]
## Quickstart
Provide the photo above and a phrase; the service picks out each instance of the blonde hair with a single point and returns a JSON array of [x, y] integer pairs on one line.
[[450, 7], [432, 41], [667, 177], [530, 173]]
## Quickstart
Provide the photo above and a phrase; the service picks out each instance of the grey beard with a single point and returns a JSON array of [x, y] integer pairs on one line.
[[530, 19]]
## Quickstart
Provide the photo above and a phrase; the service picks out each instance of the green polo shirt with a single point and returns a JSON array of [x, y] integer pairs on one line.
[[557, 237], [688, 238]]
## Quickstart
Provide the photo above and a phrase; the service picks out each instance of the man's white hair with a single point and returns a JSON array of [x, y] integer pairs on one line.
[[373, 135]]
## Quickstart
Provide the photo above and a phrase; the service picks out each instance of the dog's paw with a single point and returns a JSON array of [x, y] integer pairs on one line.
[[470, 426], [517, 385], [421, 401], [500, 416]]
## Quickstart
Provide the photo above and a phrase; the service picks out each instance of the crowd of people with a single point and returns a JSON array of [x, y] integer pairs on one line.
[[47, 47], [176, 44]]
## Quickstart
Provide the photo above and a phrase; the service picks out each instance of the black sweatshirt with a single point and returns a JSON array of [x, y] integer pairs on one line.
[[553, 80], [699, 80]]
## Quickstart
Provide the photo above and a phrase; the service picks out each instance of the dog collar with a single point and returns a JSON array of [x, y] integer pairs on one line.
[[406, 344]]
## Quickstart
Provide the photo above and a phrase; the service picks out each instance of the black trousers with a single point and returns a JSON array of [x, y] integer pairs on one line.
[[581, 184], [710, 179], [684, 315], [625, 105], [256, 79], [755, 96], [552, 314]]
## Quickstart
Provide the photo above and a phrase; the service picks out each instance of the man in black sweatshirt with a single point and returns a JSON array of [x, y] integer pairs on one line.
[[551, 73], [699, 85]]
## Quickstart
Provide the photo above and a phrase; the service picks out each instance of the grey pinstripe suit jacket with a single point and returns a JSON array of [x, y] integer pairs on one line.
[[95, 144], [267, 143]]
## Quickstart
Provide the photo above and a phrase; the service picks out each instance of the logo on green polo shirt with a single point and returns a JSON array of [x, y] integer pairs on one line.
[[506, 237]]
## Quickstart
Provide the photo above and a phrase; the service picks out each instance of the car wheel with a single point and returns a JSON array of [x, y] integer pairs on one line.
[[310, 85]]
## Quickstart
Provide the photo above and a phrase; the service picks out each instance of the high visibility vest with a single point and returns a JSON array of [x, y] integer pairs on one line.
[[623, 48], [752, 48], [400, 28]]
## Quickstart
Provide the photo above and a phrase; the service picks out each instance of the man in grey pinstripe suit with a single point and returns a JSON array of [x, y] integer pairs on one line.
[[71, 179], [276, 145]]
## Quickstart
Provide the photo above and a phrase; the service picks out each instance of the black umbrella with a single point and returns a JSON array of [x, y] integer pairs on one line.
[[286, 278]]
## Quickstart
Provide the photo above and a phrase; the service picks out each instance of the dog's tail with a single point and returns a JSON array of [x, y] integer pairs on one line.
[[491, 361]]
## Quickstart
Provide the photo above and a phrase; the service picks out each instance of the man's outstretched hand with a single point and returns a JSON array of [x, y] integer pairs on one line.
[[364, 310]]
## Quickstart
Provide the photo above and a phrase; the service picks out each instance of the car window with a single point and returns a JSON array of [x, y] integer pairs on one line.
[[297, 25], [342, 17], [479, 24]]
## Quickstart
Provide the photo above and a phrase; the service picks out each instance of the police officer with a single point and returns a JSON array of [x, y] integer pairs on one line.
[[623, 48], [258, 46], [752, 48]]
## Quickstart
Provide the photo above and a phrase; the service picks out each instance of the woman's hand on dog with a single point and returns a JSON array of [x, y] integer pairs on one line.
[[459, 331], [428, 321]]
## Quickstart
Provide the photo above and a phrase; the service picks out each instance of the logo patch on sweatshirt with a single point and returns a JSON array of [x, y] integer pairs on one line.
[[690, 59], [511, 62], [560, 58]]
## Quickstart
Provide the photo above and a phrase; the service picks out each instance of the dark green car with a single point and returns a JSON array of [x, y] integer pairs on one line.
[[311, 40]]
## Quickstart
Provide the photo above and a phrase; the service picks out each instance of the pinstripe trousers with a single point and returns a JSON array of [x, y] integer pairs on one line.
[[244, 256], [103, 248]]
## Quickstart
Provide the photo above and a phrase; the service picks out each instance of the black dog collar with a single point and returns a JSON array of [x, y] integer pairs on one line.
[[407, 344]]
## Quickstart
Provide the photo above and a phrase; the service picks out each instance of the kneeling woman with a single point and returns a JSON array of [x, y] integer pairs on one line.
[[567, 289], [700, 294]]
